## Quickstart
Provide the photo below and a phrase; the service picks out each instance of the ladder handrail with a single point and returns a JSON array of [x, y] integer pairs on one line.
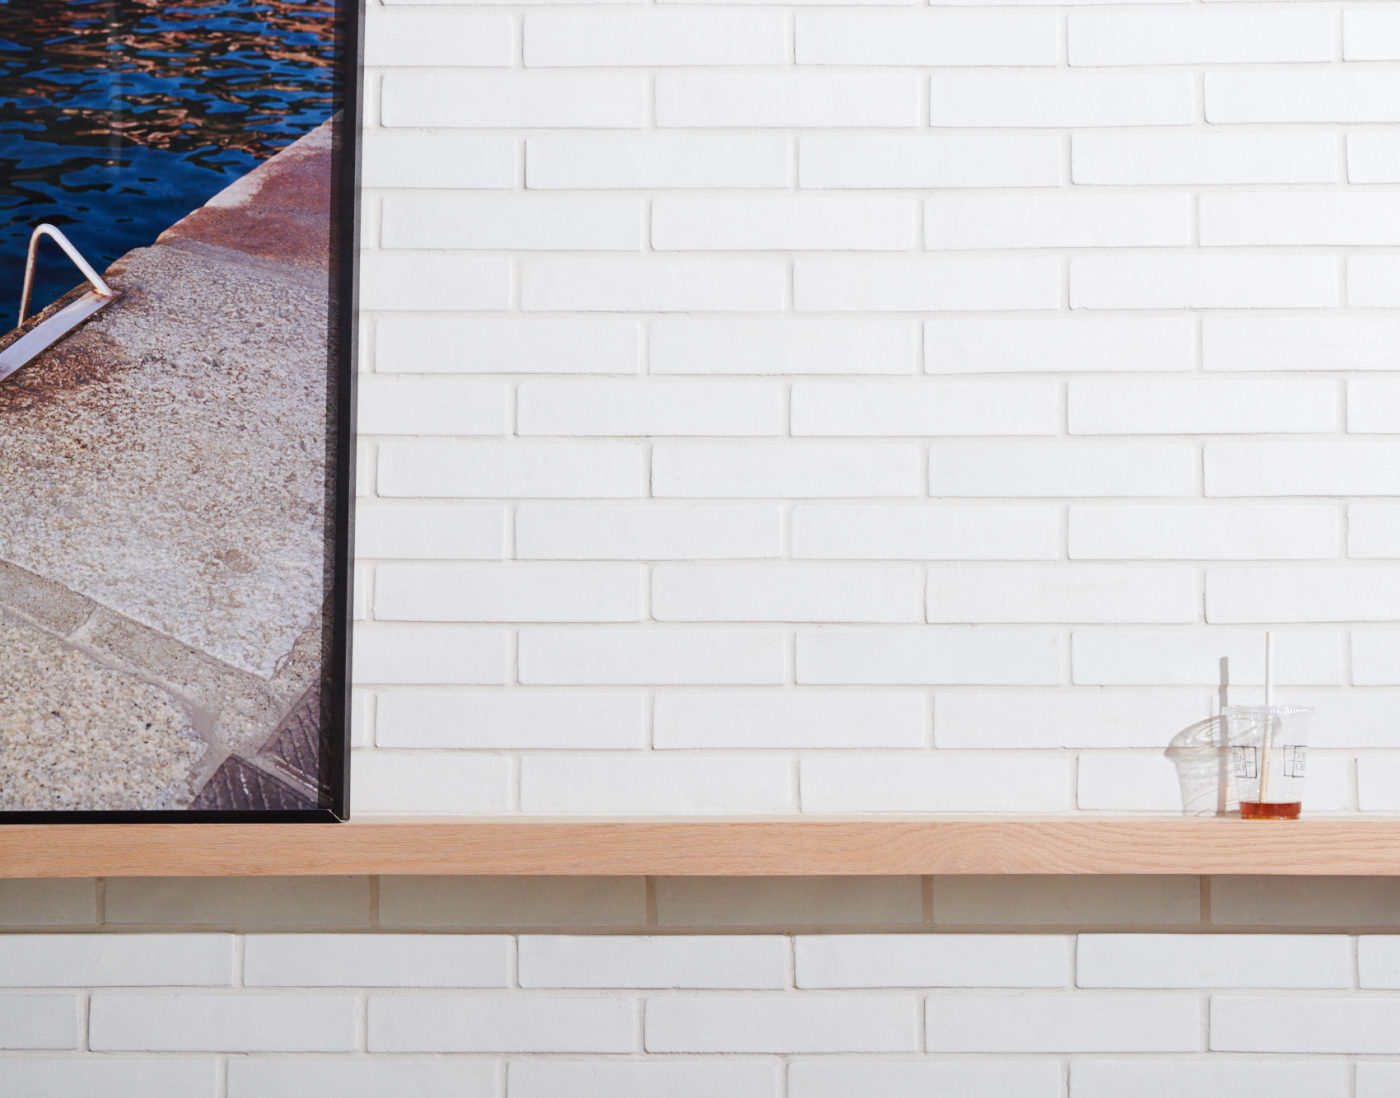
[[98, 283]]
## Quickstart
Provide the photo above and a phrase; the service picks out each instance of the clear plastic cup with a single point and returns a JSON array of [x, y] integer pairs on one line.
[[1269, 748]]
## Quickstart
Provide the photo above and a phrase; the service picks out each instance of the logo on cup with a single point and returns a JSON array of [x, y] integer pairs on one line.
[[1295, 760], [1246, 762]]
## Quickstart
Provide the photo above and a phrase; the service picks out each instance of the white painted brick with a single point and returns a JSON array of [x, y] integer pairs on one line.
[[654, 38], [48, 903], [968, 1078], [1236, 531], [1378, 785], [1066, 901], [803, 593], [1298, 594], [38, 1022], [1203, 37], [794, 469], [1309, 96], [437, 38], [1350, 718], [646, 160], [1142, 783], [884, 408], [1373, 281], [675, 1078], [789, 1023], [1285, 217], [1370, 34], [44, 1077], [228, 1022], [831, 784], [522, 223], [1373, 157], [116, 960], [376, 960], [1375, 656], [1061, 593], [459, 161], [1214, 960], [603, 656], [782, 100], [402, 281], [1301, 343], [1203, 281], [1204, 158], [1379, 960], [663, 284], [359, 1077], [523, 592], [782, 345], [1060, 99], [758, 961], [1062, 468], [1323, 468], [1373, 405], [892, 657], [534, 345], [512, 903], [270, 902], [433, 784], [432, 406], [1123, 658], [1042, 719], [652, 407], [504, 469], [926, 283], [1241, 1023], [654, 785], [1376, 1078], [991, 1022], [788, 901], [508, 101], [653, 531], [802, 718], [1147, 1077], [932, 960], [927, 39], [442, 655], [429, 531], [1217, 406], [782, 223], [926, 531], [1342, 902], [525, 720], [945, 160], [1095, 219], [495, 1024], [1060, 344]]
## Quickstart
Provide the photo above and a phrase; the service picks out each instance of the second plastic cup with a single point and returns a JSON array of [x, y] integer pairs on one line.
[[1269, 746]]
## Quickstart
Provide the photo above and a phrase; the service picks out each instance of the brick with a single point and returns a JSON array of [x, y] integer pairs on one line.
[[1203, 158], [1358, 593], [516, 719], [1076, 220], [656, 160], [1237, 531], [654, 531], [1313, 1024], [1372, 281], [1059, 344], [442, 656], [1378, 957], [1146, 783], [969, 1078], [1316, 96], [782, 345], [797, 469], [1045, 720], [895, 657], [782, 100], [1123, 658], [437, 784], [267, 902], [1203, 281], [523, 592], [884, 408], [376, 960], [926, 283], [1199, 37], [650, 656], [1061, 593], [920, 163], [457, 161], [1351, 718], [1373, 406], [40, 1077], [116, 960], [645, 785], [1286, 217], [512, 223], [1329, 468], [360, 1077], [1333, 902], [546, 470], [651, 407], [831, 784], [38, 1022], [511, 903], [676, 1078], [782, 223], [514, 100], [429, 531], [1373, 157], [530, 345], [765, 1023], [1374, 653], [1146, 1077], [1301, 343], [932, 960], [759, 961], [241, 1022], [1216, 406], [991, 1022], [1378, 780], [1060, 99], [661, 284], [1066, 901], [437, 38], [390, 405], [788, 592], [402, 281], [801, 718], [788, 901], [1062, 468], [1214, 960], [48, 903], [479, 1023], [926, 531], [1370, 34], [1376, 1078], [927, 39], [660, 39]]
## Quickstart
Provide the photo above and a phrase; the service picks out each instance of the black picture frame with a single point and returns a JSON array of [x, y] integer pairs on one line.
[[340, 478]]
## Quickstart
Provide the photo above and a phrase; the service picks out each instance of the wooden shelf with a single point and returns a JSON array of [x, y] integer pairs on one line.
[[723, 846]]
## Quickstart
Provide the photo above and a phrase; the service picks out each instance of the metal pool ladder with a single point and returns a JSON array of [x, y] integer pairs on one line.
[[45, 334]]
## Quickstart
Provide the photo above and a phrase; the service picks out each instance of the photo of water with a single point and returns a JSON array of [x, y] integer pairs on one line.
[[118, 117]]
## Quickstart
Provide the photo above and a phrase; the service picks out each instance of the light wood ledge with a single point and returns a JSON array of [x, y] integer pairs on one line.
[[716, 846]]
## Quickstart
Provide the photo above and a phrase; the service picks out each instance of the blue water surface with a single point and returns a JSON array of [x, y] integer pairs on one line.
[[118, 117]]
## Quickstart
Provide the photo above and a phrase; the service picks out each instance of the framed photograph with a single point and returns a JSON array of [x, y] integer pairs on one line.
[[177, 307]]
